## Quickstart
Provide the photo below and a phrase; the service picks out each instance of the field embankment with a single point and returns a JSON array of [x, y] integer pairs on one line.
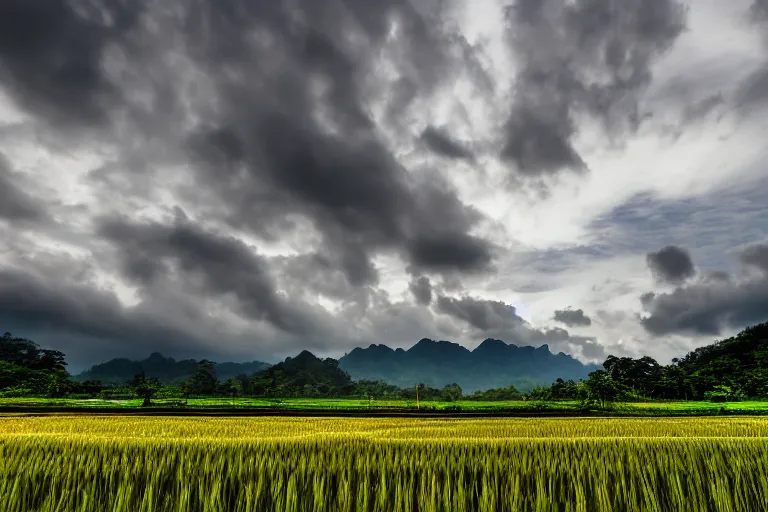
[[377, 408], [142, 464]]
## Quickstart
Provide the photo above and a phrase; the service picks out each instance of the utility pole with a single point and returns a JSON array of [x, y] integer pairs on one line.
[[418, 387]]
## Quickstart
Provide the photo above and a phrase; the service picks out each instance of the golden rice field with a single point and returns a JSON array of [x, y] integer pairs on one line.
[[143, 464]]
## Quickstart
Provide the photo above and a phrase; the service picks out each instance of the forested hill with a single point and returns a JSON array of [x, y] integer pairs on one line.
[[740, 362], [166, 369], [493, 364], [305, 375]]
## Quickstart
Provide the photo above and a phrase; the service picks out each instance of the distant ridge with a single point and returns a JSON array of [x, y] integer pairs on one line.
[[167, 369], [492, 364]]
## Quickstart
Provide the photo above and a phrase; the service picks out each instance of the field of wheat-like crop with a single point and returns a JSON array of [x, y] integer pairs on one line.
[[120, 464]]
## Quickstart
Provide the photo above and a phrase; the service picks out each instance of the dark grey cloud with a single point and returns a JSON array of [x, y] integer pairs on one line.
[[560, 47], [753, 92], [699, 109], [591, 349], [59, 302], [756, 256], [713, 303], [223, 264], [759, 11], [450, 252], [572, 317], [264, 155], [321, 274], [421, 288], [440, 142], [15, 204], [267, 156], [485, 315], [497, 319], [646, 299], [51, 55], [671, 264], [693, 111]]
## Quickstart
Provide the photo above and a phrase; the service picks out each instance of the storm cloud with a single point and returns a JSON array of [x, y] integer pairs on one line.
[[15, 204], [752, 91], [572, 317], [223, 265], [712, 305], [671, 264], [499, 320], [443, 144], [421, 289], [560, 48], [51, 56]]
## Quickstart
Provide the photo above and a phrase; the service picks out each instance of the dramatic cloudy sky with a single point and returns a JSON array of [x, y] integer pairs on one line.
[[243, 179]]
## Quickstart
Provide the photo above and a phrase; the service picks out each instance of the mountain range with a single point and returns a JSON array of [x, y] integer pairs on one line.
[[492, 364]]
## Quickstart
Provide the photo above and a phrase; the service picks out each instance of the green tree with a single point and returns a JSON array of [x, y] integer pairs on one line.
[[25, 368], [145, 388], [452, 393], [58, 384], [204, 380], [601, 387]]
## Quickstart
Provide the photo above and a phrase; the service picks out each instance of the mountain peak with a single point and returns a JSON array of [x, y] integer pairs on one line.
[[379, 348], [491, 343], [305, 355], [428, 344]]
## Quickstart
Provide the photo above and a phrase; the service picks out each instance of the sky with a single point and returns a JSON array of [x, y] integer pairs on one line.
[[246, 179]]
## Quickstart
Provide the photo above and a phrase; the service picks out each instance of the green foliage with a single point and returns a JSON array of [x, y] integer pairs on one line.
[[27, 354], [204, 381], [507, 393], [145, 388], [92, 388], [559, 390], [304, 375], [601, 388], [737, 363], [26, 366]]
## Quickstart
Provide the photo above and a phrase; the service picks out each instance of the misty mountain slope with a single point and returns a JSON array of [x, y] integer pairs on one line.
[[492, 364]]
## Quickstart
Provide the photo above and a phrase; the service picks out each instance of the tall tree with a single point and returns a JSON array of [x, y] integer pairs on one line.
[[204, 380], [145, 388], [601, 387]]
